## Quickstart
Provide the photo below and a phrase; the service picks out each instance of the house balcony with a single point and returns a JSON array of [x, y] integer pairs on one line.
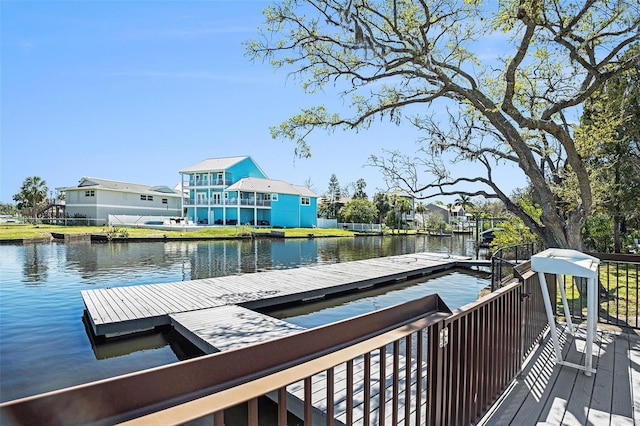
[[200, 183], [196, 183]]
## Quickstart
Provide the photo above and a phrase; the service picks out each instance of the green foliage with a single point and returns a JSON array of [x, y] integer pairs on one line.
[[8, 209], [609, 139], [381, 201], [33, 193], [513, 232], [392, 220], [244, 230], [434, 220], [409, 62], [331, 199], [359, 192], [115, 232], [359, 210], [597, 235]]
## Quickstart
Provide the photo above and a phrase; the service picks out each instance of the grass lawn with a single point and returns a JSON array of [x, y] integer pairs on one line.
[[621, 282], [9, 231]]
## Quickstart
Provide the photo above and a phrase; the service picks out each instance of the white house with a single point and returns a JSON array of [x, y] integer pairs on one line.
[[95, 199], [449, 214]]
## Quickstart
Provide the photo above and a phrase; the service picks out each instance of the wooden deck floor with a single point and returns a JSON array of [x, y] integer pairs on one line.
[[552, 394], [123, 310]]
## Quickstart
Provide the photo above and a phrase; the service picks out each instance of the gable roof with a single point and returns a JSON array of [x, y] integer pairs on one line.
[[114, 185], [218, 164], [270, 185]]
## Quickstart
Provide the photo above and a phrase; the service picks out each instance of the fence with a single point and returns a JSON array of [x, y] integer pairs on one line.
[[361, 227], [327, 223]]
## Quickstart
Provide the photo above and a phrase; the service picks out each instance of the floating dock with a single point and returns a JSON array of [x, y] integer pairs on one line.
[[126, 310], [216, 314]]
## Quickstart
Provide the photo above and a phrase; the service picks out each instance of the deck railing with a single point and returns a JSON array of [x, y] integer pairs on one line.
[[414, 363], [619, 290], [618, 283], [505, 259]]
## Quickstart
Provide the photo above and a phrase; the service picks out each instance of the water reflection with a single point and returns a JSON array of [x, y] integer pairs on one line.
[[35, 264], [44, 345], [205, 259]]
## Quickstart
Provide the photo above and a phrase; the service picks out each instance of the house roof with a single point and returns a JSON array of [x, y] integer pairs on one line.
[[270, 185], [114, 185], [217, 164]]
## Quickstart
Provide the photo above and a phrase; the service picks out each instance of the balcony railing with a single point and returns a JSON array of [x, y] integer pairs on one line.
[[228, 202], [197, 183], [207, 182]]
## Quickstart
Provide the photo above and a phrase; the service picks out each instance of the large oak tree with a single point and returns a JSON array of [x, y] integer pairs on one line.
[[410, 60]]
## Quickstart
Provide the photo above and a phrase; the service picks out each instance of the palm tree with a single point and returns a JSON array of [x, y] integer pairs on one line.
[[421, 208], [464, 201], [32, 193], [403, 206]]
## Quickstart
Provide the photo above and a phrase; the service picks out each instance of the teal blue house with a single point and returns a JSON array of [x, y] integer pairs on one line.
[[235, 190]]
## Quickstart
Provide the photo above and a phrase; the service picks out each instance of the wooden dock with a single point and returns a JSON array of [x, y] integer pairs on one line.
[[125, 310]]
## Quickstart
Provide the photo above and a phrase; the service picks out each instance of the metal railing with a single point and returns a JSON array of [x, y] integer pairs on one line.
[[227, 202], [618, 291], [506, 258], [618, 284]]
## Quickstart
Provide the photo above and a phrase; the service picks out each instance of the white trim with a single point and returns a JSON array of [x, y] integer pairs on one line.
[[123, 207]]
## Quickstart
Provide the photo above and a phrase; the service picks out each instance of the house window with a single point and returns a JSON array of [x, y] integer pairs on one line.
[[143, 197], [165, 201], [305, 201], [267, 197], [90, 193], [274, 197]]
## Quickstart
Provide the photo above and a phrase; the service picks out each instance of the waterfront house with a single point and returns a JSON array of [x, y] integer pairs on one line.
[[449, 214], [235, 190], [95, 199]]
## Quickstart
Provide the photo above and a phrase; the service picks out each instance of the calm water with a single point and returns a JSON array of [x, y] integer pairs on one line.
[[43, 342]]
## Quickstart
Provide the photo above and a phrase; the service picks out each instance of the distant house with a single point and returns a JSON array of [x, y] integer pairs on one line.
[[448, 214], [95, 199], [407, 217], [235, 190]]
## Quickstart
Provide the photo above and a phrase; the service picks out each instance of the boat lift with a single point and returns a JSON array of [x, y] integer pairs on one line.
[[569, 262]]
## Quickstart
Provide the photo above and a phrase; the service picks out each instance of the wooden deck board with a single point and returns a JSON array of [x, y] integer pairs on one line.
[[319, 386], [634, 370], [621, 400], [556, 394], [600, 404], [229, 327]]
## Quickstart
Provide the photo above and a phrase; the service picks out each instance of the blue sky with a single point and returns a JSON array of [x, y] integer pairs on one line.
[[136, 91]]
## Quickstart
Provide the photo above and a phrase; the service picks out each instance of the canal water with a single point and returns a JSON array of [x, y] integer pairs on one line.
[[43, 341]]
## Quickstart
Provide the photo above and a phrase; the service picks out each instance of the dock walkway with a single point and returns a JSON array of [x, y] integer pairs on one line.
[[125, 310], [229, 327]]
